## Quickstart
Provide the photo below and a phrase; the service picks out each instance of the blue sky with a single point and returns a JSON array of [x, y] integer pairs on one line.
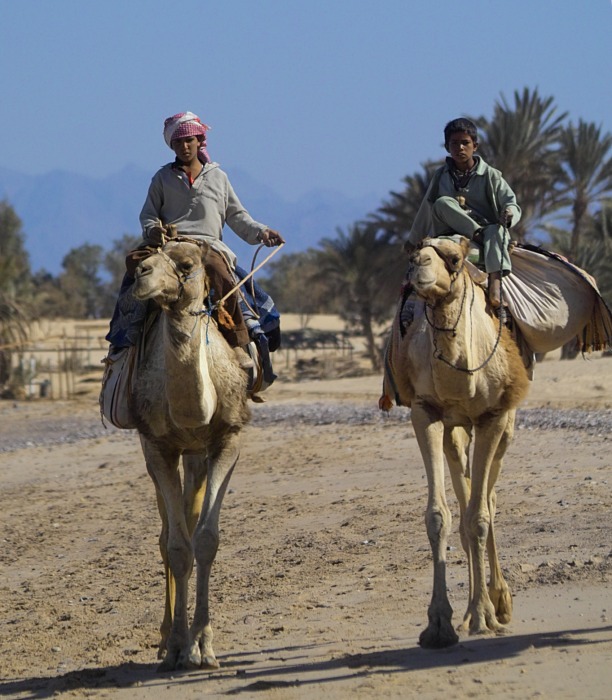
[[348, 95]]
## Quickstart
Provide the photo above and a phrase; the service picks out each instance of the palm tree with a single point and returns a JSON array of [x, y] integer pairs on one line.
[[397, 215], [355, 265], [587, 173], [522, 140]]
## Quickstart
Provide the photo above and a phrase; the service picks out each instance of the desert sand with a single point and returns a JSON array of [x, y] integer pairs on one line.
[[323, 577]]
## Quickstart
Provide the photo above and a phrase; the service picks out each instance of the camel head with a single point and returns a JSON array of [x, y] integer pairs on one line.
[[435, 265], [174, 276]]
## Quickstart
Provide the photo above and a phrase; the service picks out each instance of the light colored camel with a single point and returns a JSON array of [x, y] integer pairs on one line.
[[191, 401], [462, 375]]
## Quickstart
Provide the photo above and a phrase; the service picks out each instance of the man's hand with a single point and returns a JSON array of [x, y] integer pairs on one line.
[[157, 235], [506, 218], [269, 237]]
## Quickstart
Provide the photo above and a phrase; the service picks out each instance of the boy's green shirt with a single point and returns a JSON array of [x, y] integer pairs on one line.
[[486, 193]]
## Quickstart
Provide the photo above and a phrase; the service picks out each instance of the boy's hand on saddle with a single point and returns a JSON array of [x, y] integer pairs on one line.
[[269, 237]]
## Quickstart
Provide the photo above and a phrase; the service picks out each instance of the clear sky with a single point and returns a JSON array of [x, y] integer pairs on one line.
[[349, 95]]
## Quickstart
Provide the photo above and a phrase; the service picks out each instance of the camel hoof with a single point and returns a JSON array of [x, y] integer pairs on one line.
[[438, 636]]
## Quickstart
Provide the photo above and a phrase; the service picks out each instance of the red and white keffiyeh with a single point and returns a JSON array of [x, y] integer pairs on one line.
[[186, 124]]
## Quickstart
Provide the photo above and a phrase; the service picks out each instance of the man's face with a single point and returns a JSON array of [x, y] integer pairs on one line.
[[462, 148], [186, 149]]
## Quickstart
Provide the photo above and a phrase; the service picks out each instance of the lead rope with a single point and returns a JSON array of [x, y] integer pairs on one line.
[[439, 356]]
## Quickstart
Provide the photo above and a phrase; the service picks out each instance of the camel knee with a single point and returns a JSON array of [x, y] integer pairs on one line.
[[180, 558], [206, 544], [477, 526], [437, 522]]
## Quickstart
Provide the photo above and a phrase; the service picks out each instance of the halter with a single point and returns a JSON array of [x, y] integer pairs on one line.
[[182, 277], [454, 275]]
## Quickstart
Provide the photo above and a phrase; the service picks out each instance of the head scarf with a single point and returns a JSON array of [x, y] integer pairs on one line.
[[187, 124]]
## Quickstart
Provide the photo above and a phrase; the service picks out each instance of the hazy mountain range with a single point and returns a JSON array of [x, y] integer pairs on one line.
[[62, 210]]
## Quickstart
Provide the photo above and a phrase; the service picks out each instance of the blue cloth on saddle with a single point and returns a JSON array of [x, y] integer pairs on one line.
[[128, 317], [259, 312]]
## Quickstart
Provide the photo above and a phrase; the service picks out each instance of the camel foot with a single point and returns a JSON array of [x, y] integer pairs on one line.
[[438, 635], [485, 624], [169, 662], [178, 660], [502, 602]]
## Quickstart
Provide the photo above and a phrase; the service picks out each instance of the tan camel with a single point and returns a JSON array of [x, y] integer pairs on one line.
[[461, 373], [190, 401]]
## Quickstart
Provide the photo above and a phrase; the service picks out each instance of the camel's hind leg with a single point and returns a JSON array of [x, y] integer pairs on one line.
[[222, 460], [429, 431], [456, 449], [499, 592], [488, 447], [193, 496]]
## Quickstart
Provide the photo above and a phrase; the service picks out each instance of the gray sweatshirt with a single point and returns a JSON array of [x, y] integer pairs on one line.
[[200, 210]]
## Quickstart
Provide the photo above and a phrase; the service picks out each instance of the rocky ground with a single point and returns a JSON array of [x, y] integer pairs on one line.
[[323, 576]]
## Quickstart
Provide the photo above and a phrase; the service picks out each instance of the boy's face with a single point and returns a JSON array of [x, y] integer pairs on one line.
[[462, 148], [186, 149]]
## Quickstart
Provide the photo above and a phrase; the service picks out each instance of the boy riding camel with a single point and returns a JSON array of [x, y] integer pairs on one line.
[[469, 197]]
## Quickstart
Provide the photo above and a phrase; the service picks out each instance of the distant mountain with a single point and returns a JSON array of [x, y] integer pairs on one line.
[[62, 210]]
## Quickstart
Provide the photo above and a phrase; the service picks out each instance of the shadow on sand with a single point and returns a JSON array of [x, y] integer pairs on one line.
[[248, 675]]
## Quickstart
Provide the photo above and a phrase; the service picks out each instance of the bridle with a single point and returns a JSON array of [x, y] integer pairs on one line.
[[454, 275]]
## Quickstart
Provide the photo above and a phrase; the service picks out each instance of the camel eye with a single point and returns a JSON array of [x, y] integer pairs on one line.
[[186, 266], [455, 260]]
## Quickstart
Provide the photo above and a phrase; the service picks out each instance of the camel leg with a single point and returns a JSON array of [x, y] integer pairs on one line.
[[222, 460], [457, 442], [499, 592], [193, 497], [481, 612], [166, 624], [179, 552], [429, 431]]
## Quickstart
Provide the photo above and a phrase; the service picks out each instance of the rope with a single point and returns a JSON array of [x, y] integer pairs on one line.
[[437, 354], [251, 273]]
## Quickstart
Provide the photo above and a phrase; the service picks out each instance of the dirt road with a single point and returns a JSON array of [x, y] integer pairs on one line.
[[323, 577]]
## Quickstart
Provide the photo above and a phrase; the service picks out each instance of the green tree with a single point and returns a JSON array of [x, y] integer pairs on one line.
[[586, 175], [290, 281], [81, 282], [14, 260], [355, 265]]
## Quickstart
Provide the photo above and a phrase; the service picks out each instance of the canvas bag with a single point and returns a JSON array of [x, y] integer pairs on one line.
[[117, 384], [553, 302]]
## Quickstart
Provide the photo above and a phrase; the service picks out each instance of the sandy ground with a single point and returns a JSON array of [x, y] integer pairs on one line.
[[323, 577]]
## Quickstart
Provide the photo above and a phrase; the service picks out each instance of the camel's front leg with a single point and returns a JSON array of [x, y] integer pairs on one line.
[[457, 442], [481, 613], [429, 431], [163, 468], [221, 463], [166, 625]]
